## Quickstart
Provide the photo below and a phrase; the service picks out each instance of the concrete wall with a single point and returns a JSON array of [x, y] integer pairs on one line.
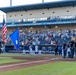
[[41, 13]]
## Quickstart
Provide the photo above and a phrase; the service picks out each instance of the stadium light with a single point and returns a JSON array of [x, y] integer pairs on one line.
[[56, 26]]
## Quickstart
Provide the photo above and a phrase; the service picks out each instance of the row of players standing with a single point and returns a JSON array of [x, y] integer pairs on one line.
[[32, 49], [67, 49]]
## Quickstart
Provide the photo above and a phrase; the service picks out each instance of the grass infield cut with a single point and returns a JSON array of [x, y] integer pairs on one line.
[[7, 60], [56, 68]]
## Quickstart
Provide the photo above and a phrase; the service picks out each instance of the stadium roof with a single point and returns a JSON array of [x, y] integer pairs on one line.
[[47, 5]]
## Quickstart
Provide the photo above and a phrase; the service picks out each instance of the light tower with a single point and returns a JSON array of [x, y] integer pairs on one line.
[[42, 1], [10, 3]]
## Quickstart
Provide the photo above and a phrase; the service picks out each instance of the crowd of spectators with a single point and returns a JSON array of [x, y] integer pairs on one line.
[[63, 40], [51, 19], [45, 37]]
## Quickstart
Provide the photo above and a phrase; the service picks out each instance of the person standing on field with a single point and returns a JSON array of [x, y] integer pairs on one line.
[[64, 50]]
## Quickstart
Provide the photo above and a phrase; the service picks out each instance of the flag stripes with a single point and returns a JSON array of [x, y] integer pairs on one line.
[[4, 31]]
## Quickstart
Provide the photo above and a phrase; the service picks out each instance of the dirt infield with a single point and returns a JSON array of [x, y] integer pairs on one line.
[[31, 62]]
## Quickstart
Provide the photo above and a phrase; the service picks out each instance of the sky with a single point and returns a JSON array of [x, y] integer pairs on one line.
[[6, 3]]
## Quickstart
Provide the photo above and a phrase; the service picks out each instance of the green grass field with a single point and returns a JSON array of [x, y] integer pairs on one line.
[[53, 68], [22, 55], [57, 68], [6, 60]]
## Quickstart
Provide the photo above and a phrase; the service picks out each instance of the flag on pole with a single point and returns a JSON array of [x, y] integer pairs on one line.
[[4, 31], [15, 39]]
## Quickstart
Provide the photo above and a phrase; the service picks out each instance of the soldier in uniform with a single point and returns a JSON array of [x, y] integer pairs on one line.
[[1, 43], [75, 48], [0, 48], [64, 50], [72, 49]]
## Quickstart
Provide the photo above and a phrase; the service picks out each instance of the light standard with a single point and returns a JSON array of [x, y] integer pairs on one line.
[[10, 3]]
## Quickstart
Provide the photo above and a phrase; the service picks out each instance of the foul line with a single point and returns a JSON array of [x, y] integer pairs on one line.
[[18, 64]]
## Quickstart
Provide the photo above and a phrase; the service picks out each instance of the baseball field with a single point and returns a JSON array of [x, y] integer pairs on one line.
[[19, 64]]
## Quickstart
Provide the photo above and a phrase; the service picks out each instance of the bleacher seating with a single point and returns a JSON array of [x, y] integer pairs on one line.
[[55, 20]]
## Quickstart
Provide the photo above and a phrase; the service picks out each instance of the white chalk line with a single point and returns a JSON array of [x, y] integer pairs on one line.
[[18, 64]]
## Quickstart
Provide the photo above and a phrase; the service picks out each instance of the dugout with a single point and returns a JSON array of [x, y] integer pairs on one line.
[[45, 48], [12, 49]]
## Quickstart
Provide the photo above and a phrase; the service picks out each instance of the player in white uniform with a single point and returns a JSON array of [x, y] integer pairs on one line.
[[36, 49]]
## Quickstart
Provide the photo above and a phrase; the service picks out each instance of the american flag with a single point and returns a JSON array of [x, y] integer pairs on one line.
[[4, 31]]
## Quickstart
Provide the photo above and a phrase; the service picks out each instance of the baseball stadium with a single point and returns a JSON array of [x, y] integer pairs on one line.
[[38, 39]]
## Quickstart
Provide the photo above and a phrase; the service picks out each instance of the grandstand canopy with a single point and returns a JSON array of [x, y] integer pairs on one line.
[[47, 5]]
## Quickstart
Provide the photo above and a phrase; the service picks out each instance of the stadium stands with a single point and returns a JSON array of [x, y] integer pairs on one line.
[[51, 20], [43, 38], [44, 14]]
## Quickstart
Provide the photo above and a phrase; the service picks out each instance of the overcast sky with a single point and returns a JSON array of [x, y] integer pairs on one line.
[[6, 3]]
